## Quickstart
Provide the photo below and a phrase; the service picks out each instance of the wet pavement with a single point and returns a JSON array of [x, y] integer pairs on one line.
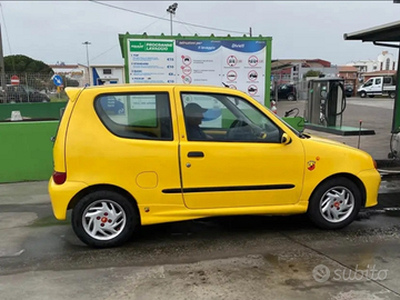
[[244, 257], [375, 113]]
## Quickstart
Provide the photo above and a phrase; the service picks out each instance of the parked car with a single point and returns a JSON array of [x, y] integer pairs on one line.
[[349, 91], [166, 162], [285, 91], [22, 93]]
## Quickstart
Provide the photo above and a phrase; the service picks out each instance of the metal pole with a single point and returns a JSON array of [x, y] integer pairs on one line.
[[27, 85], [251, 32], [170, 18], [87, 59], [2, 71], [396, 109]]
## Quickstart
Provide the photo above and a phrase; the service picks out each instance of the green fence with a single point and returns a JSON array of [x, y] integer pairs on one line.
[[40, 110], [26, 150]]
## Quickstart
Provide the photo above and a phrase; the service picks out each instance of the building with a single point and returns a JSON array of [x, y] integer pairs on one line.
[[350, 75], [76, 72], [293, 70], [348, 72], [107, 74], [385, 64], [368, 75]]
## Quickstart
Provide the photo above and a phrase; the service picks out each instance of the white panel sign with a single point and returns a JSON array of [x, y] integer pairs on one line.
[[151, 61]]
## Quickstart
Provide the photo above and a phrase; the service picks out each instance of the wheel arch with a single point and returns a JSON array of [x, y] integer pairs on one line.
[[103, 187], [357, 181]]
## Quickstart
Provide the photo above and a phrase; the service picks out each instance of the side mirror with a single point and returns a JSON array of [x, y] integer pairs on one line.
[[286, 140]]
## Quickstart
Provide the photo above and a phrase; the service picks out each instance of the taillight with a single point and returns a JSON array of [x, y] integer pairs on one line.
[[59, 177], [375, 164]]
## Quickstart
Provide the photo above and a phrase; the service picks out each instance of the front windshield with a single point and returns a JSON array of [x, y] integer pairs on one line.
[[298, 133]]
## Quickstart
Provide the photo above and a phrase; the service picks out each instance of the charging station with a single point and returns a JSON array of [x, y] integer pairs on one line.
[[325, 106]]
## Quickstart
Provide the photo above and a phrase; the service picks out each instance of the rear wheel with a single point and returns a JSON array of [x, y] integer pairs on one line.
[[363, 94], [104, 219], [392, 95], [335, 203], [290, 97]]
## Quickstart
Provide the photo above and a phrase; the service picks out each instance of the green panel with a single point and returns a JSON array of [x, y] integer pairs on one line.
[[26, 150], [227, 118], [296, 122], [396, 110], [50, 110], [142, 117], [267, 100], [144, 46]]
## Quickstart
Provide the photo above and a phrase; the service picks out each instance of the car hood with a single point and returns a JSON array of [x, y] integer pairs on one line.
[[321, 140]]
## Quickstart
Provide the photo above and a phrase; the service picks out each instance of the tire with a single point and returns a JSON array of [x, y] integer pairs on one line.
[[326, 220], [392, 95], [290, 97], [125, 223], [363, 94]]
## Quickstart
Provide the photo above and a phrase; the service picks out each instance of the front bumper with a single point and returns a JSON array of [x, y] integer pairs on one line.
[[372, 181], [62, 194]]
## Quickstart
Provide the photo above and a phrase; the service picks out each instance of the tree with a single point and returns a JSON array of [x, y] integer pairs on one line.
[[312, 73], [22, 63]]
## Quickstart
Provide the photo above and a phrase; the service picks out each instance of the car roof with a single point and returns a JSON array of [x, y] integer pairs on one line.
[[72, 92], [166, 85]]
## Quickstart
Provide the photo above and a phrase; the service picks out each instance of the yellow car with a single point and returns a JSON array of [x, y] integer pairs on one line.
[[130, 155]]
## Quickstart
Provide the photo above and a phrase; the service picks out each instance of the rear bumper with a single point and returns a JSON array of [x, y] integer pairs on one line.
[[62, 194], [371, 180]]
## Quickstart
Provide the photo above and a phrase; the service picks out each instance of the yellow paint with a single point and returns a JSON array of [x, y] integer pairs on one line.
[[147, 180], [90, 155]]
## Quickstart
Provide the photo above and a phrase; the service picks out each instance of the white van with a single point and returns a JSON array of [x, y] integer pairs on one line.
[[378, 86]]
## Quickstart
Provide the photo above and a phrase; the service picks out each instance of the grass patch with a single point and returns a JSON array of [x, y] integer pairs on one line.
[[56, 99]]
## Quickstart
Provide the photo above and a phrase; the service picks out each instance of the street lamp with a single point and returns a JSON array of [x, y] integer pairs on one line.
[[172, 9], [87, 58]]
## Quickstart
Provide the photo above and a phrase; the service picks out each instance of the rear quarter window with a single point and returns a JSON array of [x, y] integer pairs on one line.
[[136, 115]]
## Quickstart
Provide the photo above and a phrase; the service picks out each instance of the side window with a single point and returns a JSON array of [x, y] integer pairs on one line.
[[387, 80], [218, 117], [368, 83], [378, 81], [136, 116]]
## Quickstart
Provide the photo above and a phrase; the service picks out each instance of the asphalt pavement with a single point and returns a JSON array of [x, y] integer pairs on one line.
[[219, 258]]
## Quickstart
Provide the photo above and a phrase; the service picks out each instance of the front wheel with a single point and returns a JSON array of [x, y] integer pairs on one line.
[[104, 219], [290, 97], [363, 94], [335, 204]]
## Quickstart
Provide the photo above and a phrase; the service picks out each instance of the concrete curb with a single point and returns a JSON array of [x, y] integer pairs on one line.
[[387, 163]]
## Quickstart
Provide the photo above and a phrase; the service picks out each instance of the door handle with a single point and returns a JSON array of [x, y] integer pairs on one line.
[[195, 154]]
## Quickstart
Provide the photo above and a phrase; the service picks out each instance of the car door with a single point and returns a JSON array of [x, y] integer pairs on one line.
[[376, 87], [282, 91], [368, 86], [234, 164]]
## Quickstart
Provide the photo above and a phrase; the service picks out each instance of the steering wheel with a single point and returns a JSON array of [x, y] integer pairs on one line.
[[242, 131]]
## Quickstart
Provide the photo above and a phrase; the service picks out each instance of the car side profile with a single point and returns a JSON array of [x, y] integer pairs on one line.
[[183, 152]]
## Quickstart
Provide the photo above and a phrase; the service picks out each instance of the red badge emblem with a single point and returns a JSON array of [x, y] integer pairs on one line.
[[311, 165]]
